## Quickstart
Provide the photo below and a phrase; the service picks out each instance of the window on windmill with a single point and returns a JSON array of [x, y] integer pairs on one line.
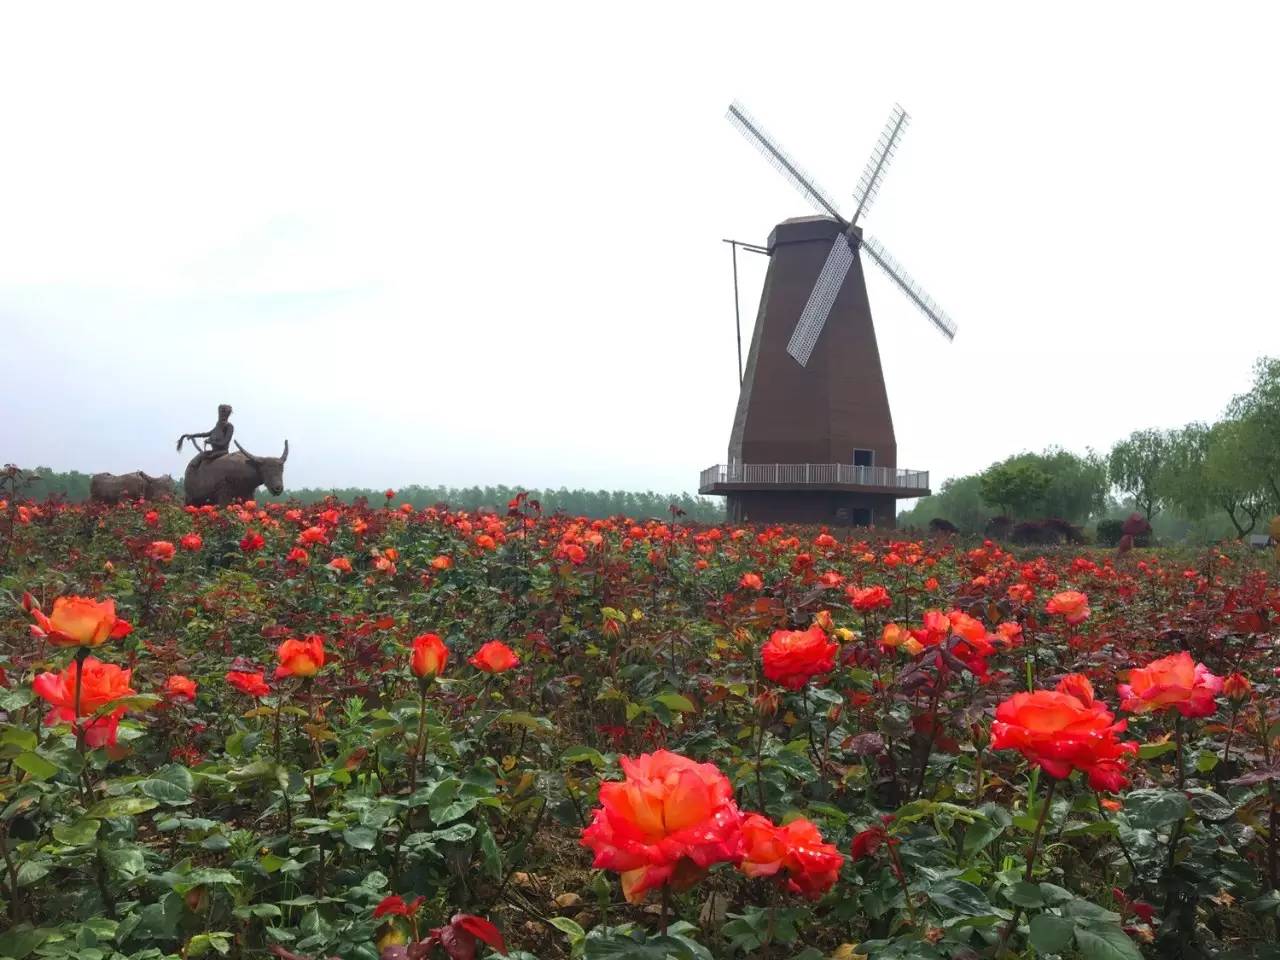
[[864, 458]]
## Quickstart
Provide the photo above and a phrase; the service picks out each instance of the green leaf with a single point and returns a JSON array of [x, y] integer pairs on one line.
[[165, 791], [201, 943], [137, 701], [587, 754], [1149, 751], [1023, 894], [979, 835], [1106, 942], [76, 834], [362, 838], [960, 896], [1050, 933], [575, 932], [36, 765], [202, 877], [127, 862], [1154, 808], [263, 911], [521, 718], [120, 807], [19, 738], [33, 870], [20, 941], [675, 701], [1209, 806]]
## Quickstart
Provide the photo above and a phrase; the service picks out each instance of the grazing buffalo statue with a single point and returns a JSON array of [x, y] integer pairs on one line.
[[112, 488], [233, 476]]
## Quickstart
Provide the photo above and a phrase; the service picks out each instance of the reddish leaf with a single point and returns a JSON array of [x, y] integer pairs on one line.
[[482, 928]]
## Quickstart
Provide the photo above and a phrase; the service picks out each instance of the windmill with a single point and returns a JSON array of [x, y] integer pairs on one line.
[[813, 437]]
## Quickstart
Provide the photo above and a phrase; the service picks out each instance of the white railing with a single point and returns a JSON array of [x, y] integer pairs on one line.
[[816, 473]]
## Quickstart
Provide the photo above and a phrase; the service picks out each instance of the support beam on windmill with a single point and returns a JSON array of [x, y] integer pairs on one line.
[[812, 438]]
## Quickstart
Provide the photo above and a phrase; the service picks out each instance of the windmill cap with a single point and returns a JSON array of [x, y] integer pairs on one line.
[[804, 229]]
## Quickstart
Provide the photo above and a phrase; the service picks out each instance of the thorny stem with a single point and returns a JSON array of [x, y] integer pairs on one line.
[[896, 860], [1102, 812], [1177, 739], [808, 725], [15, 897], [1031, 864], [417, 750]]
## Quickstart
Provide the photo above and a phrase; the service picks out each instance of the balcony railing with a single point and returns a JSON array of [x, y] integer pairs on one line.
[[825, 474]]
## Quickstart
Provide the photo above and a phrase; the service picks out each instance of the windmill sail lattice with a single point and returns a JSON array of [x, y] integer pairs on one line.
[[827, 286], [821, 299]]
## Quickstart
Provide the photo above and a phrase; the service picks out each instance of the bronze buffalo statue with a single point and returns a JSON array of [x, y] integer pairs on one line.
[[233, 476], [112, 488]]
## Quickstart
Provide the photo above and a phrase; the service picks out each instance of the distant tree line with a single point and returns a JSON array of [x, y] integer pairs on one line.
[[1204, 480], [584, 503], [73, 485]]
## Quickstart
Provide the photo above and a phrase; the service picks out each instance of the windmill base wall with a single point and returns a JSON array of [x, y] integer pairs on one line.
[[830, 508]]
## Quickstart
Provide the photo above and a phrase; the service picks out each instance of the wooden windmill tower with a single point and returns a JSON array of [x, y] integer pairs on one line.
[[813, 439]]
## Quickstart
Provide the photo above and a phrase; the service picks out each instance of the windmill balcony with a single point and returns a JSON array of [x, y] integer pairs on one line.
[[735, 477]]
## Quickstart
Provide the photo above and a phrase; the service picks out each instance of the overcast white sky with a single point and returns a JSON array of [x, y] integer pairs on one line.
[[480, 243]]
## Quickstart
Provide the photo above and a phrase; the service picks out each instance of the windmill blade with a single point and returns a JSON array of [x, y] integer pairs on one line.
[[881, 157], [821, 299], [928, 306], [781, 160]]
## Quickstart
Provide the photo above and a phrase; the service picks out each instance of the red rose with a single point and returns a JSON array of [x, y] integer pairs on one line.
[[253, 684], [178, 687], [867, 599], [494, 657], [793, 657]]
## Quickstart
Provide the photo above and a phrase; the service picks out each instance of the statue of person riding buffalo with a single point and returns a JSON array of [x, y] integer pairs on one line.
[[215, 476]]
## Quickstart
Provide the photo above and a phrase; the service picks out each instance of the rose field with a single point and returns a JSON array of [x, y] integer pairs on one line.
[[371, 731]]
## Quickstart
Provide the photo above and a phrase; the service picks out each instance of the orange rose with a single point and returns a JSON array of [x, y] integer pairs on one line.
[[178, 687], [161, 551], [1176, 681], [665, 824], [1237, 688], [494, 657], [812, 866], [300, 658], [751, 581], [1058, 732], [765, 848], [428, 656], [80, 622], [793, 657], [1072, 605], [100, 684], [339, 565]]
